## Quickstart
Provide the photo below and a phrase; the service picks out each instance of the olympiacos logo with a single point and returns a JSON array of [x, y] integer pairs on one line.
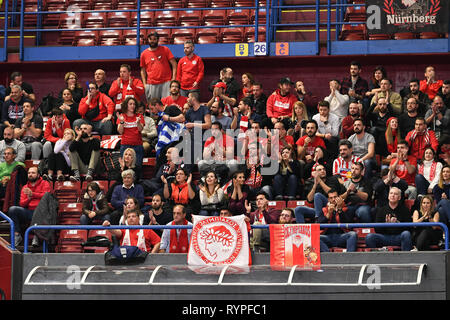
[[217, 240]]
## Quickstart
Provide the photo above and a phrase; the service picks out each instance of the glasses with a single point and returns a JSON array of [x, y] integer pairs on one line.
[[91, 88]]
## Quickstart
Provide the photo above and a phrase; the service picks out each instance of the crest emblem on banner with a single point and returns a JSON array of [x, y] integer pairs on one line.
[[219, 241]]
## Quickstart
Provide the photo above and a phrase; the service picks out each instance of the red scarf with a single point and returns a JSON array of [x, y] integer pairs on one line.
[[180, 193], [432, 170], [181, 244]]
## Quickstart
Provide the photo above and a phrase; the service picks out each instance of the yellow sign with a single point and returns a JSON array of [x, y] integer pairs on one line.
[[241, 50]]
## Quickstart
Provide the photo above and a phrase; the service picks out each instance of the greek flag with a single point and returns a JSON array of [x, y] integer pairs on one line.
[[168, 132]]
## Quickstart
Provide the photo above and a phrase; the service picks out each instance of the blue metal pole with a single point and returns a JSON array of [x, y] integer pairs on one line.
[[11, 223], [328, 27], [5, 40], [269, 15], [138, 30], [21, 43], [317, 27], [257, 19]]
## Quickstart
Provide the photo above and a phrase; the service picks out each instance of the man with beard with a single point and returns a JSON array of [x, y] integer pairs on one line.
[[216, 110], [364, 147], [444, 93], [423, 101], [280, 104], [307, 98], [158, 213], [392, 98], [175, 98], [9, 142], [190, 70], [307, 144], [12, 108], [287, 216], [328, 127], [30, 196], [420, 138], [158, 68], [29, 130], [125, 86], [438, 117], [407, 120], [355, 86], [430, 85], [226, 89], [354, 112], [343, 164], [259, 100], [377, 121], [84, 153], [7, 167]]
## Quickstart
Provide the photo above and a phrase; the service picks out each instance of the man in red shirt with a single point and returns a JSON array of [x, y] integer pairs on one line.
[[30, 196], [126, 86], [307, 144], [420, 138], [404, 167], [158, 68], [54, 130], [190, 70], [145, 239], [280, 104], [96, 109], [354, 112], [175, 98], [430, 85]]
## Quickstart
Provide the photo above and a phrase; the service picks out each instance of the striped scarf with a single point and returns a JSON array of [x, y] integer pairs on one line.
[[426, 135]]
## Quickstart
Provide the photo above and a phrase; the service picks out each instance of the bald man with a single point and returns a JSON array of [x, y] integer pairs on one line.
[[100, 80]]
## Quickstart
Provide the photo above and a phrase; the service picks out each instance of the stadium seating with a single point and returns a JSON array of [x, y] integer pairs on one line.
[[67, 191], [70, 241]]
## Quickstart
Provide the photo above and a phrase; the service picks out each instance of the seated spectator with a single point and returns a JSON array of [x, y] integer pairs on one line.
[[444, 150], [96, 109], [145, 239], [428, 172], [307, 144], [392, 136], [176, 240], [424, 237], [95, 205], [422, 99], [420, 138], [132, 204], [316, 190], [354, 112], [27, 89], [159, 213], [84, 153], [259, 101], [211, 195], [28, 129], [130, 125], [358, 194], [438, 117], [382, 186], [407, 120], [255, 181], [328, 127], [280, 103], [441, 194], [9, 142], [342, 165], [247, 85], [378, 74], [7, 167], [100, 80], [238, 193], [217, 115], [54, 130], [444, 93], [149, 132], [377, 125], [338, 102], [59, 160], [298, 121], [336, 211], [320, 157], [175, 98], [430, 85], [12, 109], [404, 167], [284, 140], [71, 80], [181, 191], [308, 99], [286, 181], [364, 147], [122, 192], [392, 98], [393, 212], [243, 116], [69, 106], [30, 196]]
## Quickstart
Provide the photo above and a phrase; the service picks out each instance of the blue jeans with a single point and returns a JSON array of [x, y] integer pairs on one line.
[[85, 220], [343, 240], [139, 152], [285, 185], [369, 166], [320, 201], [20, 216], [403, 240], [422, 184], [104, 128], [443, 208], [363, 212]]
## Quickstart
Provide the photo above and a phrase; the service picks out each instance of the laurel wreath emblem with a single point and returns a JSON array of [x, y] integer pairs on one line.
[[434, 8]]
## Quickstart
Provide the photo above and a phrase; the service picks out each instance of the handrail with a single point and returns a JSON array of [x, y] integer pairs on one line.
[[159, 227], [5, 40], [12, 230]]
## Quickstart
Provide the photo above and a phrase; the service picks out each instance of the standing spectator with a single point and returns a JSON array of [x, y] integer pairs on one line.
[[54, 130], [286, 181], [430, 85], [158, 68], [420, 138], [247, 85], [197, 116], [328, 127], [307, 98], [393, 212], [211, 195], [280, 103], [26, 88], [95, 205], [30, 196], [364, 147], [425, 236], [176, 240], [130, 125], [354, 86], [9, 142], [69, 106], [441, 193], [336, 212], [428, 172], [190, 70], [338, 102], [175, 98], [84, 153], [96, 109], [259, 100], [404, 167], [125, 86], [59, 160], [392, 98], [100, 81], [71, 80], [28, 129], [217, 115]]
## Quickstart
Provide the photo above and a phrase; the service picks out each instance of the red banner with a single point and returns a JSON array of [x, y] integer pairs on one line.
[[295, 244]]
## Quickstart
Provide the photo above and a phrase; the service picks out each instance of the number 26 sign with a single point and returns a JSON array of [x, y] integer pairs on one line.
[[259, 49]]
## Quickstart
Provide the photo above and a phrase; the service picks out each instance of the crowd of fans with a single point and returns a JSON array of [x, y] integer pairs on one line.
[[364, 153]]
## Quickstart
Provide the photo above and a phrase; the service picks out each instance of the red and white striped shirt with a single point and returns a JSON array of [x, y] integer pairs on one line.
[[344, 168]]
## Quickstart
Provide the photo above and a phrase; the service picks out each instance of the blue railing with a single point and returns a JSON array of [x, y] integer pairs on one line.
[[11, 230], [159, 227]]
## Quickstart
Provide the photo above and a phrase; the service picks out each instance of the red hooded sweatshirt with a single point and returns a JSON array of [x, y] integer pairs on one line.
[[39, 189], [278, 106]]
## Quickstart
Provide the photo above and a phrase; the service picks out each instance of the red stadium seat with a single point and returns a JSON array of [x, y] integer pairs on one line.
[[232, 35], [208, 35], [244, 3], [409, 203], [355, 14], [297, 203], [94, 19], [221, 3], [118, 19], [238, 16], [179, 36], [147, 19], [261, 16], [98, 233], [380, 36], [279, 204], [67, 191], [214, 17], [104, 186], [430, 35], [190, 18], [150, 4], [81, 4], [165, 35], [174, 4], [129, 37], [72, 236], [404, 35], [110, 37], [148, 167], [357, 30], [197, 3], [31, 163], [166, 18], [249, 34], [126, 5], [85, 38]]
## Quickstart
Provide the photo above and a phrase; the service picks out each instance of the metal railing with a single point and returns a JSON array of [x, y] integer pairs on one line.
[[11, 230], [159, 227]]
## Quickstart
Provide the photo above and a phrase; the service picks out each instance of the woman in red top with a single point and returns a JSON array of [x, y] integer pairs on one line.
[[392, 137], [130, 125], [247, 85]]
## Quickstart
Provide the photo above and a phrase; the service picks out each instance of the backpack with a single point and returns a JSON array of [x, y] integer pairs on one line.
[[110, 160], [49, 102], [125, 255]]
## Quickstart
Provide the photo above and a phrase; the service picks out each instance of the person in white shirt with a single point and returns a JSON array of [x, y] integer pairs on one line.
[[428, 172], [338, 102], [329, 127]]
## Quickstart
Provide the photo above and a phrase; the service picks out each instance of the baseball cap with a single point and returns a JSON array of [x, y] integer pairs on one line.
[[221, 85], [286, 81]]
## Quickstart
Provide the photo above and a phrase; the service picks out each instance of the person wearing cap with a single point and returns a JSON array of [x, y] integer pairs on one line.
[[158, 68], [280, 104]]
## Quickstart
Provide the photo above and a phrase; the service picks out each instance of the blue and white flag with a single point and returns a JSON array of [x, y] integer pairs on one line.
[[168, 132]]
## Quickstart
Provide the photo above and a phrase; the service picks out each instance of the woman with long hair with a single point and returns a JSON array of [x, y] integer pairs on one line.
[[299, 116], [285, 182], [247, 85], [426, 236], [238, 193], [428, 172], [69, 106], [59, 160], [392, 136], [378, 74], [72, 83], [441, 193], [211, 195], [180, 191], [132, 204], [95, 205]]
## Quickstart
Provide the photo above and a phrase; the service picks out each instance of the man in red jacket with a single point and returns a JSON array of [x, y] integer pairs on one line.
[[96, 109], [30, 196], [54, 130], [190, 70], [125, 86], [280, 104], [420, 138]]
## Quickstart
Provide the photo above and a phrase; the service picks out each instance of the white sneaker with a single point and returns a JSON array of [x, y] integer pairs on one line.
[[35, 242], [17, 239]]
